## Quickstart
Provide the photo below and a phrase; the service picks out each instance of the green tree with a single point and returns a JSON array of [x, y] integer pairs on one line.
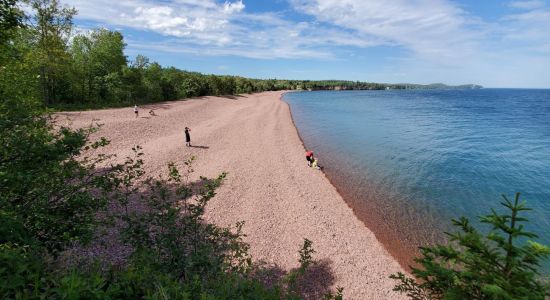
[[172, 78], [141, 62], [94, 57], [503, 264], [243, 85], [131, 79], [10, 19], [192, 85], [214, 85], [52, 26], [153, 81], [17, 75], [228, 85], [107, 52], [44, 187], [81, 72]]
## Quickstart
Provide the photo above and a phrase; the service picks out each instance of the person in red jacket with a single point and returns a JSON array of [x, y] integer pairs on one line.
[[309, 158]]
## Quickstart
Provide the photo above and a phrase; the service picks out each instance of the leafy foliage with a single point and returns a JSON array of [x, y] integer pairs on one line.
[[51, 28], [502, 264], [10, 18], [175, 254], [44, 187], [306, 259]]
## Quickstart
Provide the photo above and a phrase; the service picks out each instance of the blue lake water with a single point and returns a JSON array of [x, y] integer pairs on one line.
[[409, 160]]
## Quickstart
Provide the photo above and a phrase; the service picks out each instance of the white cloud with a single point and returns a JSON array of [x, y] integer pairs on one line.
[[527, 29], [211, 28], [176, 18], [263, 52], [433, 28], [233, 7]]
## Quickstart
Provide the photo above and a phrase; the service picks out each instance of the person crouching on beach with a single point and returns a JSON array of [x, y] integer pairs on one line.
[[309, 158], [136, 110], [187, 137]]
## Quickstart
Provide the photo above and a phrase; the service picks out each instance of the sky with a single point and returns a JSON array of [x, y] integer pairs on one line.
[[488, 42]]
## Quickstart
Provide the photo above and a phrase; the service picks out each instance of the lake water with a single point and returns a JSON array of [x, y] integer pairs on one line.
[[409, 160]]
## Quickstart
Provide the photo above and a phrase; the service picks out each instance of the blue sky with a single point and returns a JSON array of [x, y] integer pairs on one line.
[[489, 42]]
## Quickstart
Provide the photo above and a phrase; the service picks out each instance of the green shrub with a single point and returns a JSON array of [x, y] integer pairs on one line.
[[176, 255], [498, 265]]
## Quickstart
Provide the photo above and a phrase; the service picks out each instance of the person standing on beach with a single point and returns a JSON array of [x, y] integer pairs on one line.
[[136, 110], [187, 137]]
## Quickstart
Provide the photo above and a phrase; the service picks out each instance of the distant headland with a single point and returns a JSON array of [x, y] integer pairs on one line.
[[343, 85]]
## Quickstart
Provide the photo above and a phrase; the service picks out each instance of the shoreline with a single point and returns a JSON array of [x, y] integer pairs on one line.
[[269, 185], [402, 252]]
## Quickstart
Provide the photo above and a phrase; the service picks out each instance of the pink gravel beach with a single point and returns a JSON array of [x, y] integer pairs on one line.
[[269, 185]]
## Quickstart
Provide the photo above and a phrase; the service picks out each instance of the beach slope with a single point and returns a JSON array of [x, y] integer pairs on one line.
[[269, 185]]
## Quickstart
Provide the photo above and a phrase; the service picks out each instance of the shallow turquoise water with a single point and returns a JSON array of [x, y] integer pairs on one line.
[[408, 161]]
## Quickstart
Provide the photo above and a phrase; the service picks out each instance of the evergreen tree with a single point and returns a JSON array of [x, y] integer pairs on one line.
[[503, 264]]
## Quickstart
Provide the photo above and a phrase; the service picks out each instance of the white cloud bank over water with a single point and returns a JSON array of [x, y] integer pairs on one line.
[[426, 27], [437, 40]]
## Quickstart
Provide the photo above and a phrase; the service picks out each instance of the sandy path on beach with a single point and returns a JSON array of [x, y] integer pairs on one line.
[[269, 185]]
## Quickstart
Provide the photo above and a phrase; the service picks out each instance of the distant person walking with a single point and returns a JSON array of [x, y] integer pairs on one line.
[[187, 137], [136, 110]]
